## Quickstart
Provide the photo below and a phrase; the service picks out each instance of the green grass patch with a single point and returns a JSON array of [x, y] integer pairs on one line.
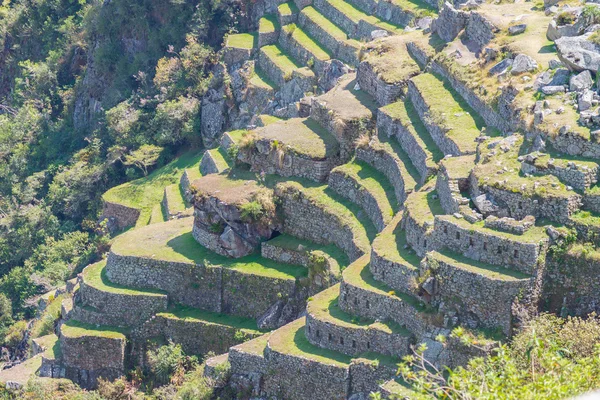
[[259, 79], [189, 313], [313, 47], [157, 215], [52, 345], [268, 24], [410, 175], [44, 325], [423, 206], [280, 59], [375, 183], [145, 193], [76, 329], [320, 20], [255, 346], [220, 158], [477, 267], [242, 40], [303, 135], [95, 275], [173, 241], [391, 245], [404, 112], [175, 199], [287, 9], [293, 243], [449, 111]]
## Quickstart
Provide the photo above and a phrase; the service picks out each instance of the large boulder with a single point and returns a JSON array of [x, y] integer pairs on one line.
[[557, 77], [581, 81], [523, 63], [579, 53]]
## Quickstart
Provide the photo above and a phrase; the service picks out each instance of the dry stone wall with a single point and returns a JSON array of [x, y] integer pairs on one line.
[[119, 216], [384, 93], [381, 160]]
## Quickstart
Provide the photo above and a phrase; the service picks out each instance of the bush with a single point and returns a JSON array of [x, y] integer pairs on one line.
[[550, 358], [169, 363], [14, 334], [565, 18], [595, 38], [251, 211]]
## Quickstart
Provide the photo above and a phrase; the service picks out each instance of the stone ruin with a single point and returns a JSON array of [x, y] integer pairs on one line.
[[397, 189]]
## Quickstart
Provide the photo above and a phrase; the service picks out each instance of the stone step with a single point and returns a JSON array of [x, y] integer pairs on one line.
[[291, 250], [174, 203], [296, 147], [328, 327], [215, 161], [475, 289], [445, 115], [318, 214], [268, 30], [157, 215], [387, 157], [579, 173], [287, 13], [366, 187], [420, 209], [332, 37], [346, 113], [478, 242], [239, 48], [452, 184], [356, 23], [385, 68], [290, 355], [363, 296], [279, 67], [89, 352], [117, 305], [393, 262], [401, 121], [302, 47], [161, 256], [198, 331]]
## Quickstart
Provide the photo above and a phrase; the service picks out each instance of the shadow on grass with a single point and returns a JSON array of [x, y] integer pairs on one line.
[[303, 345]]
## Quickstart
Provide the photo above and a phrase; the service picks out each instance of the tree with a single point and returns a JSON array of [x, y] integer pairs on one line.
[[144, 157]]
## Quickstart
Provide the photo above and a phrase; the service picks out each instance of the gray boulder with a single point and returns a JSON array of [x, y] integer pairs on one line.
[[501, 67], [517, 29], [550, 90], [578, 53], [584, 101], [554, 64], [332, 73], [556, 77], [581, 81], [523, 63], [449, 22]]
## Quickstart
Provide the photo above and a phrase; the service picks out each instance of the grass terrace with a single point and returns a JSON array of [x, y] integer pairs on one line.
[[242, 40], [423, 205], [534, 235], [391, 245], [52, 346], [277, 55], [95, 275], [375, 183], [303, 135], [319, 19], [145, 193], [307, 42], [76, 329], [293, 243], [174, 242], [324, 306], [175, 198], [356, 15], [358, 274], [260, 80], [268, 24], [287, 9], [405, 113], [255, 346], [450, 111], [349, 213], [181, 312], [477, 267], [220, 157], [410, 175]]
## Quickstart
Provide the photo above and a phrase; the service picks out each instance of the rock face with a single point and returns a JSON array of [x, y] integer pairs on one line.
[[581, 81], [212, 117], [556, 77], [449, 23], [523, 63], [578, 53]]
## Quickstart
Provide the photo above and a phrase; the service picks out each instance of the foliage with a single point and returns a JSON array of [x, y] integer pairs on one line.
[[144, 157], [175, 120], [15, 333], [595, 38], [550, 358], [591, 13], [168, 363], [251, 211], [565, 18]]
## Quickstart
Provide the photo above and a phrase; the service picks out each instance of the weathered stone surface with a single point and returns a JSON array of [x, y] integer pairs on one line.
[[581, 81], [449, 22], [578, 53], [523, 63], [517, 29]]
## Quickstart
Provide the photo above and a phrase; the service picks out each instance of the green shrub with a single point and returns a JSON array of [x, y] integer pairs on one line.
[[15, 333], [251, 211], [595, 38], [565, 18], [168, 361]]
